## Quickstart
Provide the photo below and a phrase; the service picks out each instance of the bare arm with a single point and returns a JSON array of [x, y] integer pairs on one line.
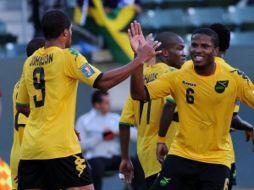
[[144, 51], [115, 76], [124, 132], [24, 109], [240, 124], [126, 167], [166, 118], [165, 121], [138, 91]]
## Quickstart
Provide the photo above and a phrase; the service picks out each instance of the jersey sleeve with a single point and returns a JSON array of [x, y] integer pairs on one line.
[[162, 86], [128, 115], [23, 97], [170, 99], [237, 107], [77, 67], [245, 88]]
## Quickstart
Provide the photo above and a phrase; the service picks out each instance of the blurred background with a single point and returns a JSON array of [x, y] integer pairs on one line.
[[100, 34]]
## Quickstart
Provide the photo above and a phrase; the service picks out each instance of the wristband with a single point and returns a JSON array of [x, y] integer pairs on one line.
[[161, 139]]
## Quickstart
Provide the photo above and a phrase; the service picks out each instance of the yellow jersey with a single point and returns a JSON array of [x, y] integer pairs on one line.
[[237, 105], [49, 84], [205, 106], [19, 122], [146, 116]]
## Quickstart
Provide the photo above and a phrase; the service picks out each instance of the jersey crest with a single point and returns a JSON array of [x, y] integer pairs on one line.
[[221, 85]]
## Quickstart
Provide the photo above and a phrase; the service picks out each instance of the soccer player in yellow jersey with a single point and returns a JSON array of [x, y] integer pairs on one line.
[[237, 123], [146, 115], [50, 153], [205, 94], [19, 120]]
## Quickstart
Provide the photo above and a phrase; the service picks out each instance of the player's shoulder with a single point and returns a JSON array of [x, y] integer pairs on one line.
[[223, 64], [232, 71], [166, 67], [72, 53], [28, 60], [187, 65], [161, 65], [172, 69]]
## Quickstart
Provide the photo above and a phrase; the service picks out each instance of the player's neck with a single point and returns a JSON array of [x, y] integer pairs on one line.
[[206, 70], [161, 60], [51, 43]]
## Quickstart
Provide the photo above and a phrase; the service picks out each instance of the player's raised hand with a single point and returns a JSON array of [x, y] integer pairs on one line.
[[161, 151], [136, 36], [126, 169], [250, 135], [148, 51], [149, 38]]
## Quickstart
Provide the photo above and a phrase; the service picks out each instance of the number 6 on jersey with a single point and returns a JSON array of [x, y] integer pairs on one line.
[[189, 96]]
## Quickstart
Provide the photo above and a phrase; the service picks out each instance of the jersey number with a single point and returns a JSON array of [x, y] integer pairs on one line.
[[189, 96], [149, 105], [39, 84]]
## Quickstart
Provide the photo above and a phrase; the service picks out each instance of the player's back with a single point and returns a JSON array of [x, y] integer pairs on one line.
[[50, 76]]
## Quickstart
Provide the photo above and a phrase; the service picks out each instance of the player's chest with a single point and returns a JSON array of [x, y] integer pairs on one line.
[[212, 91]]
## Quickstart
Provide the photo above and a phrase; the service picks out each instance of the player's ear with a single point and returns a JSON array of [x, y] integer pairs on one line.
[[164, 53], [65, 32]]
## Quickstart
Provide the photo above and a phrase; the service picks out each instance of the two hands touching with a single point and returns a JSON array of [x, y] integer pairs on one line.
[[144, 49]]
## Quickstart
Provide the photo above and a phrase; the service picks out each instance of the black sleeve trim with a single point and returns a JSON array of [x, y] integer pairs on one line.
[[121, 124], [147, 94], [97, 79]]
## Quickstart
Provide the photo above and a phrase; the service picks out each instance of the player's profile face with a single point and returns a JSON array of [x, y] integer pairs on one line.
[[176, 53], [202, 49]]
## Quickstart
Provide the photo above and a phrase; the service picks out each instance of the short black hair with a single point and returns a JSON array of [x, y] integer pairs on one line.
[[223, 34], [208, 32], [97, 96], [34, 45], [53, 23], [166, 39]]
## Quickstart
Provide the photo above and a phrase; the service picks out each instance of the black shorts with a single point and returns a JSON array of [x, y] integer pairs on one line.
[[150, 180], [59, 173], [232, 178], [183, 174]]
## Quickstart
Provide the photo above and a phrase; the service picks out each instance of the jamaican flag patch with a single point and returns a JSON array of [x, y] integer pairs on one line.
[[221, 85]]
